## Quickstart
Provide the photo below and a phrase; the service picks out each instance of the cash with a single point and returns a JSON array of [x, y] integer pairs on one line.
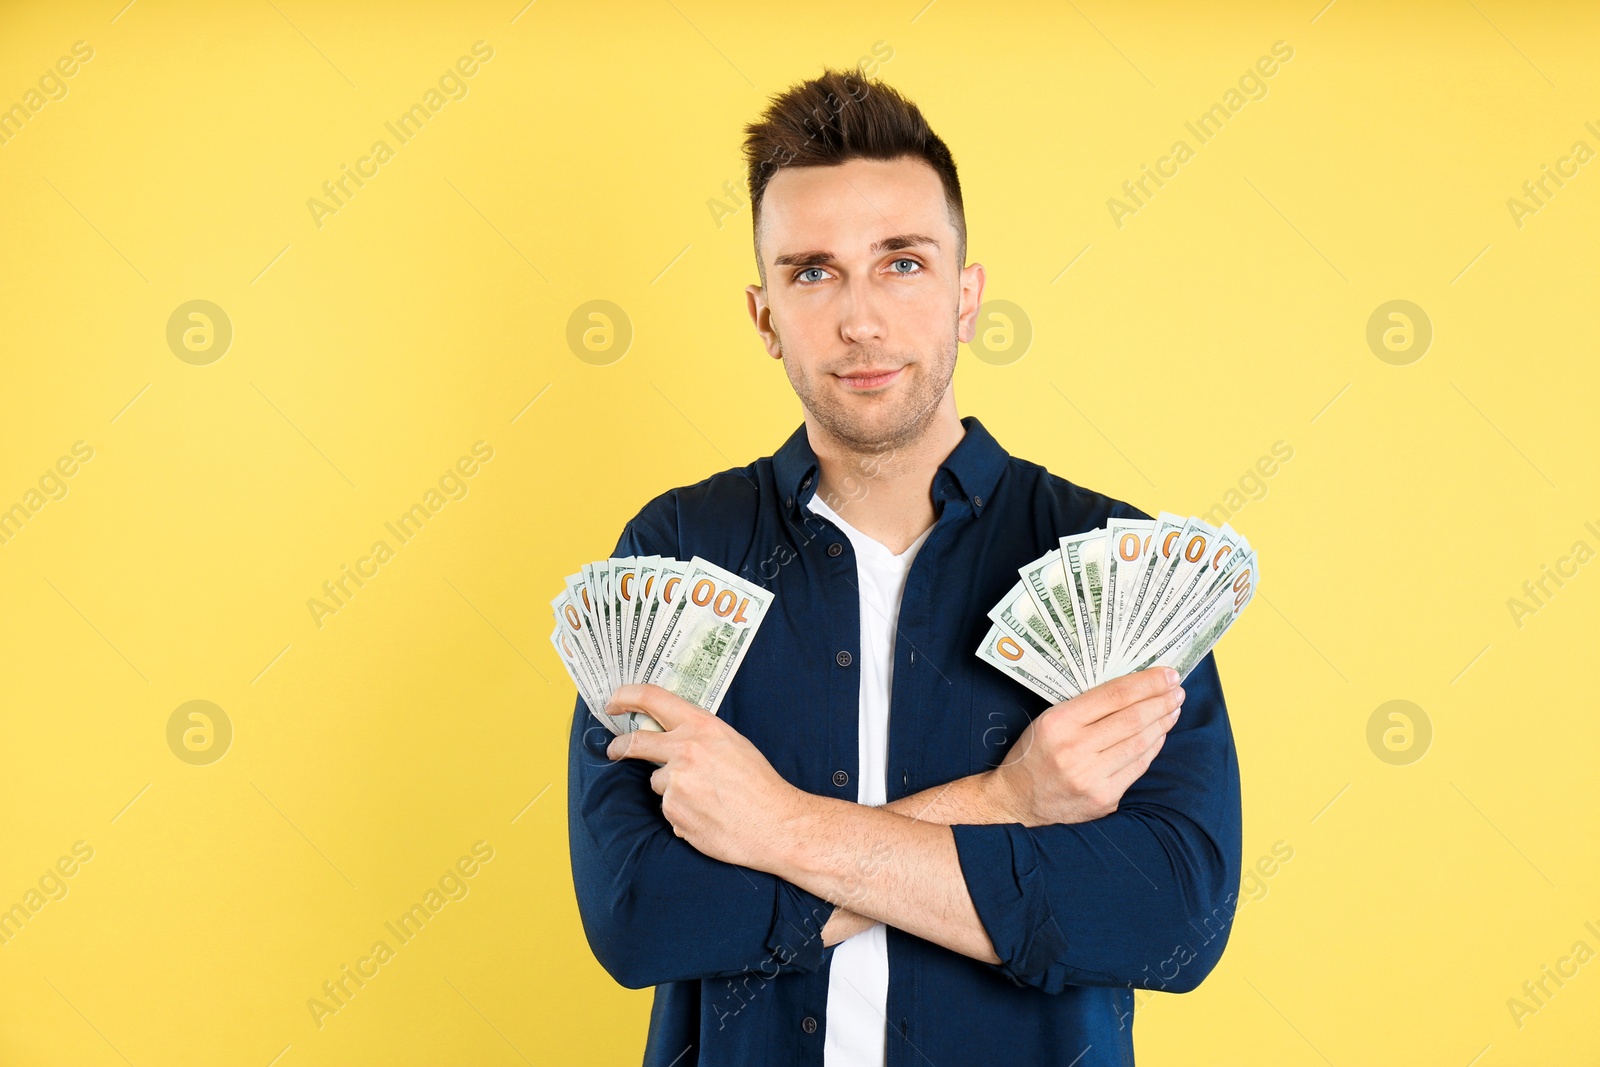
[[684, 626], [1133, 594]]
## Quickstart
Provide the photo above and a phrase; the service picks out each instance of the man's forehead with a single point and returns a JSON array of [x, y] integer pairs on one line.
[[853, 205]]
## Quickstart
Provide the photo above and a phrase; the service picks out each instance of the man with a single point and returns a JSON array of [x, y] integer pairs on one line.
[[884, 850]]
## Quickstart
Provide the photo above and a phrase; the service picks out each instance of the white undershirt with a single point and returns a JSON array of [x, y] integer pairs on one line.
[[858, 980]]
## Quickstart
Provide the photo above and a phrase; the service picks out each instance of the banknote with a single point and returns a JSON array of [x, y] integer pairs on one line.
[[710, 629], [1184, 646], [683, 625], [1047, 583], [1011, 656], [1133, 594], [1018, 614]]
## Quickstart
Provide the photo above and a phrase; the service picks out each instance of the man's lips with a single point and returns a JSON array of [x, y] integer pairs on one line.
[[869, 379]]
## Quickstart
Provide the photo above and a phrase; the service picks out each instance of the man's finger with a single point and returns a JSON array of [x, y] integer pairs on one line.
[[1122, 780], [1135, 719], [642, 744], [1136, 747], [1120, 692], [662, 705]]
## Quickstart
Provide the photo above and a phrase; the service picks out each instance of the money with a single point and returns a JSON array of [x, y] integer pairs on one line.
[[685, 626], [1011, 656], [1137, 593]]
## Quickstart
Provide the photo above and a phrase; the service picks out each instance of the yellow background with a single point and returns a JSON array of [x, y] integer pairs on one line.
[[431, 312]]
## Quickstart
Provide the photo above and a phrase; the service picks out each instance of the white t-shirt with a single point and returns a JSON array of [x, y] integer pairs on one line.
[[858, 980]]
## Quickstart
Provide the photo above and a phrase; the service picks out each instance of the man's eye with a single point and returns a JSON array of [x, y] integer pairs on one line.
[[913, 262], [801, 276]]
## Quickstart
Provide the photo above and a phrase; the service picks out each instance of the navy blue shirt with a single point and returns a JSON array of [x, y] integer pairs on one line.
[[1080, 915]]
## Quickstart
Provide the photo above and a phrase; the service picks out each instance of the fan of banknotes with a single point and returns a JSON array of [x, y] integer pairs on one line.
[[1136, 593], [658, 620]]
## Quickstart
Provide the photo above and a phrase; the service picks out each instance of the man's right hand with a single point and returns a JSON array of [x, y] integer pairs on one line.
[[1076, 759]]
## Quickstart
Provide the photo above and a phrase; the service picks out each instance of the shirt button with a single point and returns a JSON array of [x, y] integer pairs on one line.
[[807, 483], [835, 548], [977, 501], [842, 659], [808, 1024], [789, 503], [841, 778]]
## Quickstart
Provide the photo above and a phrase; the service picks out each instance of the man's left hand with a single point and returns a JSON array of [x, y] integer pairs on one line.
[[717, 790]]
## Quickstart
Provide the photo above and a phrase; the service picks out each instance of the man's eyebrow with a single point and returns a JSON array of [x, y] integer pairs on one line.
[[888, 244]]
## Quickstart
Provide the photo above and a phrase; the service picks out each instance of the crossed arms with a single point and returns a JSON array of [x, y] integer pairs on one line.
[[1078, 831]]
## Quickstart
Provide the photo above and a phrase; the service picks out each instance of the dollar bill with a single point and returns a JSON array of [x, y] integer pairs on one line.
[[1020, 618], [576, 650], [1047, 582], [685, 626], [708, 634], [1112, 601], [1163, 542], [1186, 646], [1127, 545], [1085, 555], [1011, 656], [1205, 554]]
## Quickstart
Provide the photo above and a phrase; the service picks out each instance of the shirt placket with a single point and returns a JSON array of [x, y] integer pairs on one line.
[[911, 691]]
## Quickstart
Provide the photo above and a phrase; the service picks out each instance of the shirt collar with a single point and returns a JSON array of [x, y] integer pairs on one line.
[[970, 471]]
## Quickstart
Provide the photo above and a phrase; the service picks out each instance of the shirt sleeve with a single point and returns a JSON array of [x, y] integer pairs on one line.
[[654, 908], [1143, 897]]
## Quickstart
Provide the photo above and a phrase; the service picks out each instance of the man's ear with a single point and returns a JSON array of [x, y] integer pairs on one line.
[[972, 279], [761, 315]]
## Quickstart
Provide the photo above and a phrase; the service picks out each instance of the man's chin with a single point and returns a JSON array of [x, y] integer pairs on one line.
[[869, 426]]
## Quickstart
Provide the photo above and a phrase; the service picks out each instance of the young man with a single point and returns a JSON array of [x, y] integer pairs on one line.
[[883, 850]]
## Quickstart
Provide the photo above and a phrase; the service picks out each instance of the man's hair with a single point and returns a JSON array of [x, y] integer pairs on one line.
[[837, 117]]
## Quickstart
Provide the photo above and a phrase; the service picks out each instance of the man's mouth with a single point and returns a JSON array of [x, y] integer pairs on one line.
[[869, 379]]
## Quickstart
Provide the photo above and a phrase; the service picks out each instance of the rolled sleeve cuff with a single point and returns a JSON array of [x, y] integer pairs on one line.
[[1001, 866], [798, 918]]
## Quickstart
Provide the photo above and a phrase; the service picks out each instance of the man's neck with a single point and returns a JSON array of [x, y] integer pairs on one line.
[[886, 494]]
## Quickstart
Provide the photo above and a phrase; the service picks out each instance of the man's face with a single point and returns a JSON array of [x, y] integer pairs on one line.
[[864, 299]]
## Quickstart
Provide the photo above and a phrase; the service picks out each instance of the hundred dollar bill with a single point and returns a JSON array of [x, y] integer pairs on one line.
[[607, 594], [1047, 582], [1127, 543], [588, 688], [660, 601], [1018, 616], [1241, 562], [1189, 553], [707, 635], [574, 647], [1163, 542], [1120, 599], [578, 589], [648, 567], [651, 607], [1194, 548], [1005, 652], [1132, 569], [1187, 646], [1205, 553], [593, 600], [1084, 554], [627, 584]]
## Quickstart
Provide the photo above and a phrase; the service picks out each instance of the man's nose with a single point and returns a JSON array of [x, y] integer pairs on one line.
[[861, 312]]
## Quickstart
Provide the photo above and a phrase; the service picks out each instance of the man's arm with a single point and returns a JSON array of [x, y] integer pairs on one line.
[[887, 867], [721, 795], [998, 795], [1142, 894], [980, 799], [654, 908]]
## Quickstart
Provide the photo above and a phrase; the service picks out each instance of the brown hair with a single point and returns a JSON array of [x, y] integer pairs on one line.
[[837, 117]]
